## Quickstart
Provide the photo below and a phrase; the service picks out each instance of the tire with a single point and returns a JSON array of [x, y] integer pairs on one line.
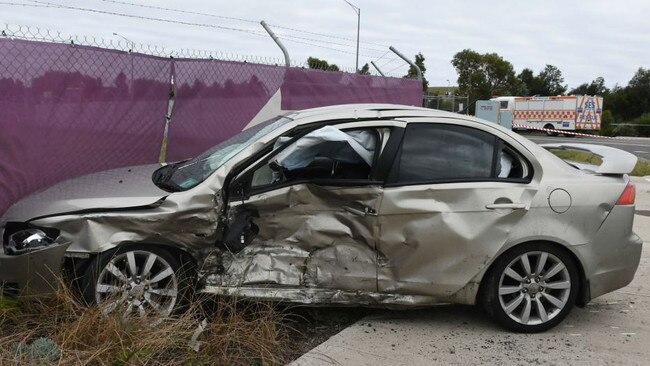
[[522, 301], [157, 288], [550, 127]]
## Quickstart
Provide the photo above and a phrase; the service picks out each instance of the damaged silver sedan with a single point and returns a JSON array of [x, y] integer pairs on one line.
[[374, 205]]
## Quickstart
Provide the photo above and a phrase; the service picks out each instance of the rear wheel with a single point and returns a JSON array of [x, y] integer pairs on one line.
[[550, 127], [531, 288], [147, 282]]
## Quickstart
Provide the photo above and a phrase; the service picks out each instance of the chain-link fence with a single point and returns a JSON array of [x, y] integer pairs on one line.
[[447, 102], [74, 105]]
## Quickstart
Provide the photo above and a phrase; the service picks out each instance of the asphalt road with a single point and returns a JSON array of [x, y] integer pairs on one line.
[[637, 146]]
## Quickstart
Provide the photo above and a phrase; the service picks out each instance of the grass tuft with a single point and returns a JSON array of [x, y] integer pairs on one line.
[[62, 330]]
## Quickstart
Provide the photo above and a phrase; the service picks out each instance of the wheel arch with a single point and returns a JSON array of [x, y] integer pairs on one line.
[[583, 293], [75, 267]]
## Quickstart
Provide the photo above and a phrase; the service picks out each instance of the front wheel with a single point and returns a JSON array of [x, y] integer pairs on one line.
[[146, 282], [532, 288]]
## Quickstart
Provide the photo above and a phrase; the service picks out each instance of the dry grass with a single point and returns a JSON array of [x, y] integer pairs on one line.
[[61, 330]]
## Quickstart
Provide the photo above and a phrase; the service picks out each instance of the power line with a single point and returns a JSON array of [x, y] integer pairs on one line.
[[388, 72], [241, 20], [91, 10], [290, 38], [382, 56], [24, 4], [324, 47], [178, 10], [389, 62], [328, 42]]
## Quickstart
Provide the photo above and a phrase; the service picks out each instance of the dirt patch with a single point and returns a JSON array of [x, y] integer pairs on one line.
[[307, 327]]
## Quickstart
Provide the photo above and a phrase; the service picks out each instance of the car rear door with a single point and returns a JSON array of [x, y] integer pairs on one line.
[[452, 196]]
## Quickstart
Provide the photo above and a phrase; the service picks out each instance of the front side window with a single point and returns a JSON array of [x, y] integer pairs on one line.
[[184, 175], [323, 154]]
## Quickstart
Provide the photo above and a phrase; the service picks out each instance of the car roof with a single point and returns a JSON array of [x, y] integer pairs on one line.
[[365, 110], [395, 111]]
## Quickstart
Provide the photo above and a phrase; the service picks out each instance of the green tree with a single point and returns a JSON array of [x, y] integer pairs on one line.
[[631, 101], [551, 81], [482, 76], [528, 82], [318, 64], [596, 87], [365, 70], [606, 123], [412, 72], [638, 93]]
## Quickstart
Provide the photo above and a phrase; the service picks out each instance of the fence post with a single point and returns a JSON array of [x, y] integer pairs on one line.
[[287, 61], [417, 69], [377, 68], [162, 158]]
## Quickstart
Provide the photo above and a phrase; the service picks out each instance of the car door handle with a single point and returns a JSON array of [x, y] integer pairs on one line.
[[501, 206]]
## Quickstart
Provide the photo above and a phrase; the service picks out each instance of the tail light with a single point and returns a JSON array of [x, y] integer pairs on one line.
[[628, 195]]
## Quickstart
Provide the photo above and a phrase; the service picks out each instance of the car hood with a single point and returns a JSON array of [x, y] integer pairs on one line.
[[110, 189]]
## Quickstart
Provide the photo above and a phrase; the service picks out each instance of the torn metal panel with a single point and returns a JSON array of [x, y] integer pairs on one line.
[[307, 238], [324, 297], [185, 221]]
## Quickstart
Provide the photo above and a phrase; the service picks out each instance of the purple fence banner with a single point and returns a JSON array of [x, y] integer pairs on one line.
[[68, 110], [306, 88]]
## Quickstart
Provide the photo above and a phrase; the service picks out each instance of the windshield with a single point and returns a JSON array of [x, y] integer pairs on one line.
[[187, 174]]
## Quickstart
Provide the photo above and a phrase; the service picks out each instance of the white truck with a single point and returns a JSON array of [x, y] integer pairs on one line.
[[564, 113]]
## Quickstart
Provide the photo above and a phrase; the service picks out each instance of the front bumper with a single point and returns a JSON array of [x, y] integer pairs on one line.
[[612, 258], [33, 273]]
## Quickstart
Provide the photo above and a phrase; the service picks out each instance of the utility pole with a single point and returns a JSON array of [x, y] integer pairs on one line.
[[129, 42], [358, 11], [131, 48]]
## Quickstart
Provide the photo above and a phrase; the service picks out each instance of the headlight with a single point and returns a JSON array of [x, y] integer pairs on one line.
[[27, 240]]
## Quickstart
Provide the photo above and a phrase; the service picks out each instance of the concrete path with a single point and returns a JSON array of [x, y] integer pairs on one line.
[[612, 330]]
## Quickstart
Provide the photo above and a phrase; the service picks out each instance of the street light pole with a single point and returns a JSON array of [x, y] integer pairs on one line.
[[358, 11], [131, 48], [130, 42]]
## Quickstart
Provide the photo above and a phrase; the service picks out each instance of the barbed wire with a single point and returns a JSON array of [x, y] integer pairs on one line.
[[32, 33], [107, 12], [290, 38], [243, 20], [46, 35]]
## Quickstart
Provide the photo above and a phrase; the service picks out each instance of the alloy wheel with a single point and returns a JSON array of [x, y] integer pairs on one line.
[[137, 282], [534, 288]]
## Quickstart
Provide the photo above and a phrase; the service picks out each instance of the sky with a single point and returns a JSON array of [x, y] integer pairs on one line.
[[585, 39]]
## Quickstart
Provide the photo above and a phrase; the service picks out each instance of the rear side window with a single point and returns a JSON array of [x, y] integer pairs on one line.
[[445, 153]]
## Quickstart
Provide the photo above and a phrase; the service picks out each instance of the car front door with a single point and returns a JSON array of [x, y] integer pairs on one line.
[[452, 196], [312, 209]]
